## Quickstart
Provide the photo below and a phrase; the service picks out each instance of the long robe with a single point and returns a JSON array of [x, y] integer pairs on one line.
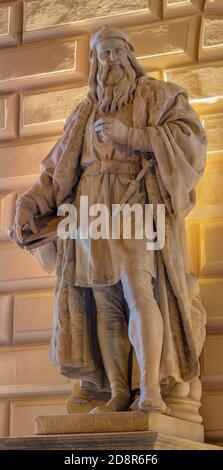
[[163, 116]]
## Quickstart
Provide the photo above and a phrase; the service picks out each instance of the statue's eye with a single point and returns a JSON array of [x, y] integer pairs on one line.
[[104, 54]]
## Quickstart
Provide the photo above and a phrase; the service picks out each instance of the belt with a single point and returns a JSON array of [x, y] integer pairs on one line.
[[115, 166], [134, 185], [112, 166]]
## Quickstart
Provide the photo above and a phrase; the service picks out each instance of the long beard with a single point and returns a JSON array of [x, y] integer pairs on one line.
[[116, 85]]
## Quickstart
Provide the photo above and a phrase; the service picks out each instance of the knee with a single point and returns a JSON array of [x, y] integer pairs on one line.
[[109, 303], [108, 312], [138, 289], [109, 316]]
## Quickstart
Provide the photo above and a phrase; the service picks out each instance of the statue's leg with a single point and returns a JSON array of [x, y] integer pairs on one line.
[[112, 331], [145, 334]]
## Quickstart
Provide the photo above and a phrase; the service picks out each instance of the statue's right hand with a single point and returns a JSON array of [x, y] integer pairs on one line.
[[24, 215]]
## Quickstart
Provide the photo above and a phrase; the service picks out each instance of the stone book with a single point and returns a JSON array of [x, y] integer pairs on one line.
[[46, 231]]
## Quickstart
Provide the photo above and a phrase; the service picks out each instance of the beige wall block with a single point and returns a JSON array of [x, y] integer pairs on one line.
[[206, 212], [2, 113], [43, 13], [211, 294], [33, 313], [181, 7], [213, 32], [30, 365], [7, 213], [36, 390], [23, 413], [45, 18], [161, 45], [4, 19], [210, 188], [201, 83], [10, 23], [211, 37], [6, 310], [4, 418], [44, 63], [44, 112], [192, 232], [156, 74], [8, 116], [212, 355], [19, 164], [211, 260], [19, 265], [214, 129], [212, 412], [214, 5], [208, 105], [17, 183]]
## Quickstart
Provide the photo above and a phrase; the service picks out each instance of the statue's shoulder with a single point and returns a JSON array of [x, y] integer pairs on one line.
[[81, 108], [151, 85]]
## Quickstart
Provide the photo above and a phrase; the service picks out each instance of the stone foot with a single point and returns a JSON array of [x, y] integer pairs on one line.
[[152, 402], [83, 401], [75, 406], [118, 403]]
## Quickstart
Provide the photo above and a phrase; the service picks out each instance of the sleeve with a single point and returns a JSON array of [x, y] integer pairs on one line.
[[179, 145], [138, 139], [41, 197]]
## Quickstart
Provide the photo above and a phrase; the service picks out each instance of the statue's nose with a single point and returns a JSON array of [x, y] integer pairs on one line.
[[113, 56]]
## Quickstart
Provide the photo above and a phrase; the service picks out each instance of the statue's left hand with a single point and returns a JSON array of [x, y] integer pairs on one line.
[[111, 130]]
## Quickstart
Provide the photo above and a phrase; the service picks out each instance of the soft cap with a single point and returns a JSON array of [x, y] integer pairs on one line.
[[106, 32]]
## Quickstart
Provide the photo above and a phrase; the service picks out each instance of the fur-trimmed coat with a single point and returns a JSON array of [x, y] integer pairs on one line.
[[179, 146]]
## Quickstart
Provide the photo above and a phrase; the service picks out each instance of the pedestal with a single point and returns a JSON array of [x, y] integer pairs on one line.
[[138, 440], [130, 430], [128, 421]]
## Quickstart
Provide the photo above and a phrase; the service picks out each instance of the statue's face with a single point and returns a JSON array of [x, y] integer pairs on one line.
[[111, 51], [115, 78]]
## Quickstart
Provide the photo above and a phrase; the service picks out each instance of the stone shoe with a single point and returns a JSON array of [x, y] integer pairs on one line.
[[118, 403], [151, 402]]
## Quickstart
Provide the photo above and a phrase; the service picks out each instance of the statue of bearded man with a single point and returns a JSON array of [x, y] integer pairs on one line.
[[126, 319]]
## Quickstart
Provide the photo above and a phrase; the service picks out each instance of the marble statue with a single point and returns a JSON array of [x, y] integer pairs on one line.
[[128, 324]]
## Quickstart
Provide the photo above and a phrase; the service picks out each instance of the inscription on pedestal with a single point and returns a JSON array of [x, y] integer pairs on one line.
[[129, 421], [84, 423]]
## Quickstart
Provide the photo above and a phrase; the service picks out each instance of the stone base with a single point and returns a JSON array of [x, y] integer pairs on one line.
[[124, 422], [130, 430], [184, 408], [139, 440]]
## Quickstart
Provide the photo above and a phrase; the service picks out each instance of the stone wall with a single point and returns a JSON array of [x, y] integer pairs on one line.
[[43, 75]]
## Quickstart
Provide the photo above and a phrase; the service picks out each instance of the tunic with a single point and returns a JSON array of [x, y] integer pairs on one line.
[[99, 262]]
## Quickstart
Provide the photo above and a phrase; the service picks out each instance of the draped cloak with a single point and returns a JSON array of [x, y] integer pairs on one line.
[[179, 144]]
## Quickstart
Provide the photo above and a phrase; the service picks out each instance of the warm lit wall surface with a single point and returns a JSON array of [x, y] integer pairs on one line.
[[43, 75]]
